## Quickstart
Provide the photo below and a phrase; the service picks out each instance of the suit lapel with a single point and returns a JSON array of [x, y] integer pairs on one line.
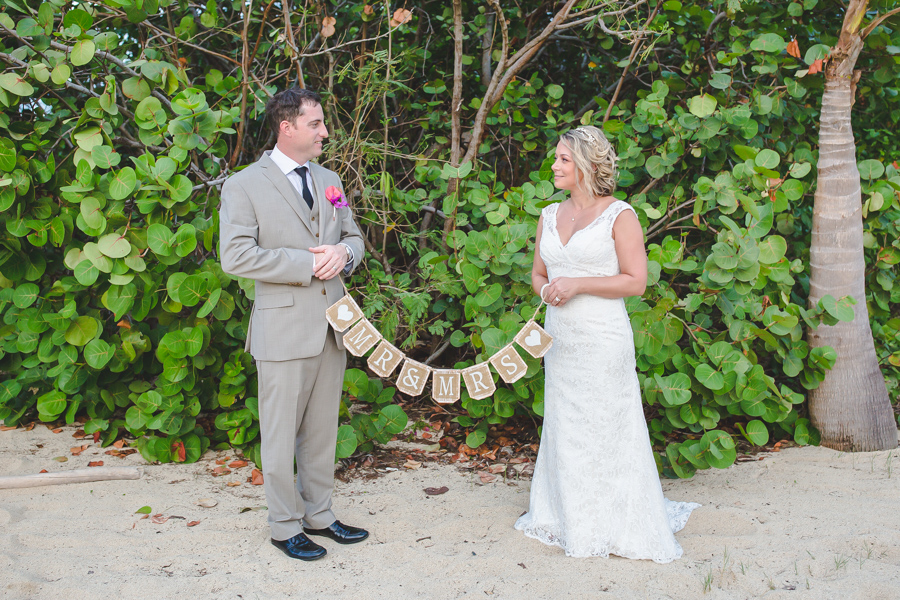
[[281, 183], [321, 200]]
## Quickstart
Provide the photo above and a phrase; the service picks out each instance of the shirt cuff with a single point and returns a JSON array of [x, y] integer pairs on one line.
[[349, 265]]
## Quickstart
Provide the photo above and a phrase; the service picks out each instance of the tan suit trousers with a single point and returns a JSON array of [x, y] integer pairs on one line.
[[293, 428]]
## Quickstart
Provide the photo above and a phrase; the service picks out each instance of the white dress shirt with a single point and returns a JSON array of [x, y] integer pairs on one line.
[[287, 166]]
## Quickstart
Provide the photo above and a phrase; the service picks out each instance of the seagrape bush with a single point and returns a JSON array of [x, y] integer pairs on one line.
[[112, 150]]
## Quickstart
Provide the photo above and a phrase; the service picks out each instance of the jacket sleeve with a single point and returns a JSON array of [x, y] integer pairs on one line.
[[351, 235], [239, 247]]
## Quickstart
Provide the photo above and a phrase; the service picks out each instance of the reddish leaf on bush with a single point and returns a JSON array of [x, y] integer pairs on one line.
[[793, 48], [96, 436], [179, 451], [95, 463], [401, 16], [256, 477], [816, 67]]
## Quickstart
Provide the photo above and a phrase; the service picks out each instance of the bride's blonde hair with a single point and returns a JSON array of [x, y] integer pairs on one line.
[[594, 157]]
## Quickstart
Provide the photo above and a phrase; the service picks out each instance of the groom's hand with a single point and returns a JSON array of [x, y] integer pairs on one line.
[[328, 261]]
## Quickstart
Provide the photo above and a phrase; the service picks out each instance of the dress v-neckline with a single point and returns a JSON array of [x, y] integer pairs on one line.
[[576, 232]]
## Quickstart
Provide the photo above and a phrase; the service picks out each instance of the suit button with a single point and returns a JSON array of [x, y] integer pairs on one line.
[[323, 291], [317, 235], [313, 218]]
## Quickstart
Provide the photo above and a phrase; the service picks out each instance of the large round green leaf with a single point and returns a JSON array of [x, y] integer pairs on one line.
[[192, 290], [82, 52], [26, 295], [121, 183], [160, 239], [114, 245], [11, 82], [346, 441], [772, 249], [97, 353], [767, 159], [396, 419], [86, 273], [676, 388], [709, 377], [871, 169], [185, 240], [7, 154], [757, 433], [51, 405], [82, 330], [702, 105]]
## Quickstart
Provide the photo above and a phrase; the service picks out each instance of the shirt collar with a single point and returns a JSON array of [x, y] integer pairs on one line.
[[284, 162]]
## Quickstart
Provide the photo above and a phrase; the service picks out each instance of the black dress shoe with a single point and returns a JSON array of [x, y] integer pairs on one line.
[[300, 547], [342, 534]]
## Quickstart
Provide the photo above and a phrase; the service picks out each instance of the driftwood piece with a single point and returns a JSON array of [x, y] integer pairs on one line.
[[76, 476]]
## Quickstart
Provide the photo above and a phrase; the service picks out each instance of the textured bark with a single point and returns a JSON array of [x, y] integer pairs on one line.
[[851, 408]]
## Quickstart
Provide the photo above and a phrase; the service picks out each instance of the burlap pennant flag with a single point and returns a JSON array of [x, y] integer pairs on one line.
[[445, 385], [534, 340], [361, 338], [343, 313], [509, 364], [385, 359], [479, 382], [413, 377]]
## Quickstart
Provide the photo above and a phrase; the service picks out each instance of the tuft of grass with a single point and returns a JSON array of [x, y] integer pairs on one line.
[[840, 562], [708, 581]]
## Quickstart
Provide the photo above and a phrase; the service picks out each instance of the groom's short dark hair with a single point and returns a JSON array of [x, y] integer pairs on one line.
[[289, 104]]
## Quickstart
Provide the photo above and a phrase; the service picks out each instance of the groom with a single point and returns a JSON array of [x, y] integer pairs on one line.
[[277, 228]]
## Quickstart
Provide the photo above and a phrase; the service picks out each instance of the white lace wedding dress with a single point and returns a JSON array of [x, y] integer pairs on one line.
[[596, 489]]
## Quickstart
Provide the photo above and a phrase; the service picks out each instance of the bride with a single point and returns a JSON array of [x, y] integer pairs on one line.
[[596, 489]]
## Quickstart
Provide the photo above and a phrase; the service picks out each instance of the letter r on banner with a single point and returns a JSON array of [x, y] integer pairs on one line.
[[479, 382]]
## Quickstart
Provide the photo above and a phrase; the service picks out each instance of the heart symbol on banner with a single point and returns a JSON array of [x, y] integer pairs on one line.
[[533, 339], [344, 313]]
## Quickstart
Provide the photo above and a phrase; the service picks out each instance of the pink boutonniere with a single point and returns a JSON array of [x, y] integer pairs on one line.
[[337, 199]]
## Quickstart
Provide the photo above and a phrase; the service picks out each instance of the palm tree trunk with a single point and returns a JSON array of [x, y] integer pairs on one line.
[[851, 408]]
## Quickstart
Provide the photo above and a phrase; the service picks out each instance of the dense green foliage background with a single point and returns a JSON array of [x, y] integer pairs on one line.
[[122, 117]]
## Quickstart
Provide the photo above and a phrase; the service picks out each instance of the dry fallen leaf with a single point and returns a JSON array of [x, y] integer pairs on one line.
[[61, 459], [220, 471], [96, 436], [233, 483], [256, 477], [237, 464], [43, 471], [495, 469], [79, 449], [432, 491], [119, 444], [159, 519], [412, 464], [6, 428], [95, 463], [192, 523], [486, 477], [79, 434], [221, 461], [206, 502], [57, 430]]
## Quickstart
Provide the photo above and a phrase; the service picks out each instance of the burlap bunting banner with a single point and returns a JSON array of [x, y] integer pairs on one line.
[[445, 383]]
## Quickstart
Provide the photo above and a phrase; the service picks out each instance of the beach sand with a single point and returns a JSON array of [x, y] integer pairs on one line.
[[803, 523]]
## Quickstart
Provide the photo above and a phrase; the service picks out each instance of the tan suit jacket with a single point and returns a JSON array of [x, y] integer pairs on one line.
[[266, 231]]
